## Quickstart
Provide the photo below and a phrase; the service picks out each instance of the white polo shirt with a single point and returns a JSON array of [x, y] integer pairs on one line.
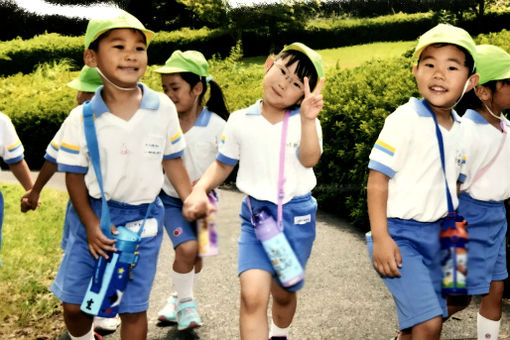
[[408, 152], [11, 149], [202, 142], [53, 147], [253, 141], [481, 141], [131, 151]]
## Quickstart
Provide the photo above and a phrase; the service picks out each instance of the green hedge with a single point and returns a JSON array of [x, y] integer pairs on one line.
[[23, 55]]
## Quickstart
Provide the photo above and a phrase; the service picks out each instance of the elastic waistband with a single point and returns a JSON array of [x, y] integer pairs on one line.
[[413, 223], [122, 205], [465, 197], [295, 199]]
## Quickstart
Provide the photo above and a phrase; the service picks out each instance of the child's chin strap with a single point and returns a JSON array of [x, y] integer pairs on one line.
[[500, 117], [114, 85], [462, 95]]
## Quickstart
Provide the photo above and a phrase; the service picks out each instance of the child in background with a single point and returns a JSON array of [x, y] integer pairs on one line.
[[185, 77], [486, 186], [406, 191], [138, 134], [86, 85], [251, 137], [11, 151]]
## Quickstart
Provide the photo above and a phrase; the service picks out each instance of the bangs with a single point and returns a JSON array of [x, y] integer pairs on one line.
[[304, 66]]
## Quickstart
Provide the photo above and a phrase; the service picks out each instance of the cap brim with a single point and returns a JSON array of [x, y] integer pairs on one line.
[[79, 86], [170, 69]]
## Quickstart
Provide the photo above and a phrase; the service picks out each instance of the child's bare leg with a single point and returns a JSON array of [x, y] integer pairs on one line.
[[428, 330], [77, 322], [284, 305], [457, 303], [491, 304], [186, 255], [133, 326], [255, 288]]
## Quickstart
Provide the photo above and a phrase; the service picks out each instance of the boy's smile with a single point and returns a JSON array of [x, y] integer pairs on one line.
[[441, 75], [122, 56]]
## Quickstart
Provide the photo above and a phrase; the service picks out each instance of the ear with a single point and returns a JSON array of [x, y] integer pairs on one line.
[[483, 93], [89, 58], [269, 62], [472, 81], [415, 69], [198, 89]]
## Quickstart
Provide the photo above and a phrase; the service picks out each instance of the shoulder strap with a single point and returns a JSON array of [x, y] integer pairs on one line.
[[281, 173], [92, 145]]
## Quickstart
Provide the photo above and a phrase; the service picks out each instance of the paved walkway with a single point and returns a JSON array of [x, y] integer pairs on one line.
[[343, 298]]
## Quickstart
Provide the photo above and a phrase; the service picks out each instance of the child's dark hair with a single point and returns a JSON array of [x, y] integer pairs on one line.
[[469, 61], [216, 102], [95, 44], [471, 100]]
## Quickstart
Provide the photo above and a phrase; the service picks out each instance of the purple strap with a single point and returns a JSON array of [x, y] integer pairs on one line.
[[281, 178], [483, 170]]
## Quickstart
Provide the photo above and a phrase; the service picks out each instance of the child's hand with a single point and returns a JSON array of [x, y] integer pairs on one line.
[[197, 206], [99, 244], [30, 201], [387, 258], [312, 102]]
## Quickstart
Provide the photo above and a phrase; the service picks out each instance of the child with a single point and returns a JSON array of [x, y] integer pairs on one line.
[[11, 151], [86, 84], [252, 137], [406, 191], [138, 134], [184, 77], [486, 186]]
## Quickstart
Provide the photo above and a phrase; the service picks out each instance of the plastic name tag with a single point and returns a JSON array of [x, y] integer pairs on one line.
[[150, 229]]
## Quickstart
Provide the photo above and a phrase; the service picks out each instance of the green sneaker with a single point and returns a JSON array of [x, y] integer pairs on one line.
[[169, 312], [187, 315]]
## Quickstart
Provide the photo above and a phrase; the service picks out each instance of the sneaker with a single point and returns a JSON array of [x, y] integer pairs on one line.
[[106, 324], [187, 316], [169, 312]]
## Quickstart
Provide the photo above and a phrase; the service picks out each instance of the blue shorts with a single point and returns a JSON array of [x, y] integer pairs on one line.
[[65, 232], [77, 267], [177, 227], [298, 226], [486, 248], [417, 292]]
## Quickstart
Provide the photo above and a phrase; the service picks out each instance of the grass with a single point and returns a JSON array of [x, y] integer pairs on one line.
[[30, 258]]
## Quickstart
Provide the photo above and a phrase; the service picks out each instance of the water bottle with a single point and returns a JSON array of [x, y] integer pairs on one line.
[[207, 236], [111, 276], [278, 249], [454, 244]]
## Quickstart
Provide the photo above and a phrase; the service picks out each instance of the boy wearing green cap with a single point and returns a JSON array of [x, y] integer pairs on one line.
[[138, 136], [412, 181], [485, 187], [185, 79], [276, 173]]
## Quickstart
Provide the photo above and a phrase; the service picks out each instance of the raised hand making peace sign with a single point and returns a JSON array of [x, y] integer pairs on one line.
[[312, 102]]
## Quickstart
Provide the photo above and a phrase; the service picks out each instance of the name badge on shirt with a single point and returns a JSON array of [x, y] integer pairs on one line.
[[150, 229], [302, 219], [153, 146]]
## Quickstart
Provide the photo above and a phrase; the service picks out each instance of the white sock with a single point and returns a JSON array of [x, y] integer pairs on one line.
[[183, 284], [277, 331], [88, 336], [196, 276], [487, 329]]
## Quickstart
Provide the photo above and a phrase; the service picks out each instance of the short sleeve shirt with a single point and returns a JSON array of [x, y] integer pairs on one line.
[[254, 142], [202, 142], [11, 149], [131, 152], [481, 141], [407, 151], [53, 147]]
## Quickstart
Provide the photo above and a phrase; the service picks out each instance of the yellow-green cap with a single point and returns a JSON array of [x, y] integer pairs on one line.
[[115, 19], [446, 34], [493, 63], [88, 80], [187, 61], [314, 57]]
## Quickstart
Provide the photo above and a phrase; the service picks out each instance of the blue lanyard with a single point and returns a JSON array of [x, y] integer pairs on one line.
[[91, 137], [451, 211]]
